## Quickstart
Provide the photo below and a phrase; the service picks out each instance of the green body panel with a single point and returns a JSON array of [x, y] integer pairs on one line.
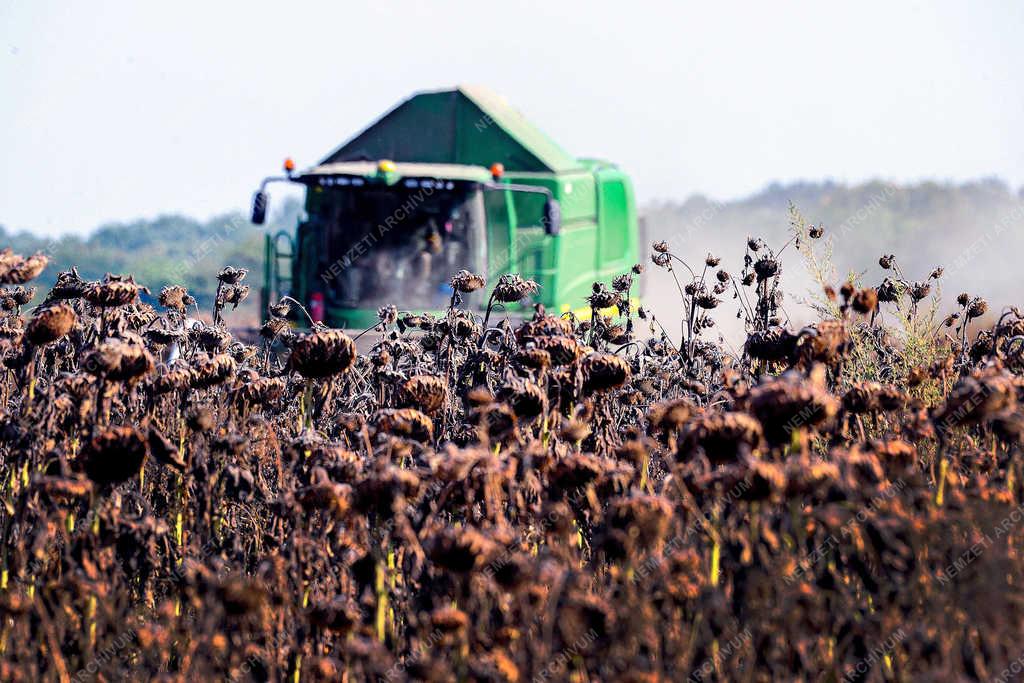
[[455, 136], [617, 249], [563, 264], [502, 248], [352, 318], [468, 125]]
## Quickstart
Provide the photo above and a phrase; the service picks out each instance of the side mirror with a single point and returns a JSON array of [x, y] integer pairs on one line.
[[552, 217], [259, 207]]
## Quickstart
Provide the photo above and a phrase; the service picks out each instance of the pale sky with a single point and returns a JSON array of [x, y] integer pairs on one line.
[[119, 110]]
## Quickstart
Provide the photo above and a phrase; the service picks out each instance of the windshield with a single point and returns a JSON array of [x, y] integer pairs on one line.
[[396, 244]]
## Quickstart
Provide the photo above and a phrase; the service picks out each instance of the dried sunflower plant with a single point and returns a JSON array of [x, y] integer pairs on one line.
[[494, 493]]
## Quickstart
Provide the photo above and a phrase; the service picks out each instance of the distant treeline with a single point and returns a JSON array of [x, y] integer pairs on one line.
[[160, 251]]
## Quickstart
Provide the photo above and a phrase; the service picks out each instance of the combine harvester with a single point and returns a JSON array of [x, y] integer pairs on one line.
[[448, 180]]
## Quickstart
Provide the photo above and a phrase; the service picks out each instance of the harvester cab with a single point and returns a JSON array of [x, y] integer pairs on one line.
[[444, 181]]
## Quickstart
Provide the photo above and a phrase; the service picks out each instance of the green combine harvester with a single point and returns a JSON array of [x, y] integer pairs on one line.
[[448, 180]]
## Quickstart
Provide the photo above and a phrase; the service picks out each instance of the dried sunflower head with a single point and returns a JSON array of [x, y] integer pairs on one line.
[[670, 416], [406, 422], [232, 276], [707, 301], [115, 455], [603, 298], [273, 328], [604, 371], [723, 437], [234, 294], [210, 338], [112, 292], [340, 615], [643, 518], [512, 288], [466, 282], [888, 451], [533, 358], [242, 353], [977, 308], [139, 315], [200, 419], [260, 391], [50, 323], [615, 334], [862, 397], [387, 315], [563, 350], [773, 344], [281, 309], [421, 322], [791, 402], [976, 397], [526, 399], [765, 268], [574, 431], [330, 497], [178, 378], [176, 298], [750, 479], [425, 392], [920, 290], [211, 370], [17, 270], [322, 354], [163, 450], [865, 300], [622, 283], [461, 551], [158, 336], [119, 361], [543, 326], [22, 295], [494, 422], [459, 323], [385, 490], [69, 285], [825, 342], [888, 291]]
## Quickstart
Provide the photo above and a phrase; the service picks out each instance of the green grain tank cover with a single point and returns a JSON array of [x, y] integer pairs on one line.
[[467, 125]]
